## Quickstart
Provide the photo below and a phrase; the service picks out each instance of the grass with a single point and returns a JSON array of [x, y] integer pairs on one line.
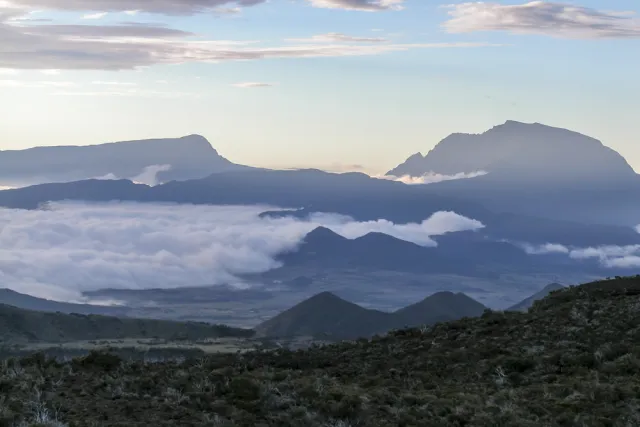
[[573, 360]]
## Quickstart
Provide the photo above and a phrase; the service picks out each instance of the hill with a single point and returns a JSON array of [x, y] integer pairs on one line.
[[527, 303], [325, 316], [19, 325], [571, 360], [439, 307], [329, 317], [175, 159]]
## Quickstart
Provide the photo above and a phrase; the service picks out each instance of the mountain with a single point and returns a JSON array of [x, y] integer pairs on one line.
[[356, 195], [19, 325], [523, 151], [325, 316], [527, 303], [172, 158], [330, 317], [535, 170]]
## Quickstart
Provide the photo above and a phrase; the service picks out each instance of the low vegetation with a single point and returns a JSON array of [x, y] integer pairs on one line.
[[572, 360]]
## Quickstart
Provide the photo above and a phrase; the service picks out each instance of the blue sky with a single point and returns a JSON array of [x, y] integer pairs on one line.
[[393, 81]]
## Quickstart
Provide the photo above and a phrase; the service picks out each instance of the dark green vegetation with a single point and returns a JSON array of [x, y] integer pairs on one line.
[[19, 325], [572, 360], [326, 316]]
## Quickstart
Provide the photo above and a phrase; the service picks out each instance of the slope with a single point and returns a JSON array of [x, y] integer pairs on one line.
[[19, 325], [572, 360], [528, 302]]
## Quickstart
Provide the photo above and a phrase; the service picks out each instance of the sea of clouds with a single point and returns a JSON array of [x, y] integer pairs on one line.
[[75, 247]]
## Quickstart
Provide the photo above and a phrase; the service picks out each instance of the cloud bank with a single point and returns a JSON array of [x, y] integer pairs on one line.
[[432, 177], [543, 18], [74, 247]]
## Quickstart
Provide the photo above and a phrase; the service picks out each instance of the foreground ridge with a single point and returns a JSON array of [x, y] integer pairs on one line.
[[573, 359]]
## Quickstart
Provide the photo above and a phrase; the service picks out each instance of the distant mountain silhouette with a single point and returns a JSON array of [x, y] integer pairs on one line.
[[356, 195], [465, 253], [536, 170], [188, 157], [522, 151], [527, 303], [330, 317]]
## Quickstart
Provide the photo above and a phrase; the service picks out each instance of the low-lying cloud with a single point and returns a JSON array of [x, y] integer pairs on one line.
[[608, 256], [74, 247], [432, 177]]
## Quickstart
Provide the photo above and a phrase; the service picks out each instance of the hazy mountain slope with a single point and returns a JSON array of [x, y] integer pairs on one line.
[[527, 303], [189, 157], [325, 316], [19, 325], [28, 302]]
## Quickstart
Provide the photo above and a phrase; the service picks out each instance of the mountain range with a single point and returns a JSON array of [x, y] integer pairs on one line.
[[329, 317], [182, 158]]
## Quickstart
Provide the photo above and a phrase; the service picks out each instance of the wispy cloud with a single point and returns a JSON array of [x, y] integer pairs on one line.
[[112, 83], [249, 85], [432, 177], [120, 47], [98, 15], [608, 256], [35, 84], [337, 37], [543, 18], [360, 5]]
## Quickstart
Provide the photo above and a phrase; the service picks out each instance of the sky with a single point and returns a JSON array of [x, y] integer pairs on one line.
[[333, 84]]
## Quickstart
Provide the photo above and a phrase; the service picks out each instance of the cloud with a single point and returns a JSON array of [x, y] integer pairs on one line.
[[249, 85], [542, 18], [431, 177], [191, 7], [112, 83], [34, 84], [167, 7], [360, 5], [8, 72], [338, 37], [122, 47], [608, 256], [98, 15], [74, 247]]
